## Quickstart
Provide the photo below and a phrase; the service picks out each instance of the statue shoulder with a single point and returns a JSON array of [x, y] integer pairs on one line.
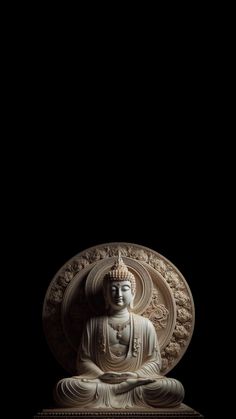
[[143, 320], [95, 321]]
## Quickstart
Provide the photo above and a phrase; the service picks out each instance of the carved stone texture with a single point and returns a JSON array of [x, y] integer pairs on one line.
[[164, 294], [183, 411]]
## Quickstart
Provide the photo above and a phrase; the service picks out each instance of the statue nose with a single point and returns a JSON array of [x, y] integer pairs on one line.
[[119, 293]]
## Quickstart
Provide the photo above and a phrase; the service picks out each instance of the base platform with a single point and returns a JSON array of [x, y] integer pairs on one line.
[[183, 411]]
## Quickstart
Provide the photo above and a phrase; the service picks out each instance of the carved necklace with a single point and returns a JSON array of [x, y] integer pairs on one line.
[[119, 327]]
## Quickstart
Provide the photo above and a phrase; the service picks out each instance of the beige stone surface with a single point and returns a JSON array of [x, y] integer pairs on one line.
[[75, 294]]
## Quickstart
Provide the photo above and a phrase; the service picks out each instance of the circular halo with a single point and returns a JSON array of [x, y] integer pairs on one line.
[[94, 283]]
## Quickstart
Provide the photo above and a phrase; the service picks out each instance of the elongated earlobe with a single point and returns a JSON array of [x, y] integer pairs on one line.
[[105, 295], [131, 306]]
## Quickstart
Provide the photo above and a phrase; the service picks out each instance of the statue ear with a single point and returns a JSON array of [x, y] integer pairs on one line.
[[105, 296], [132, 303]]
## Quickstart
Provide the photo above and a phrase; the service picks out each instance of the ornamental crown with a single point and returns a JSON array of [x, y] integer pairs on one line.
[[120, 272]]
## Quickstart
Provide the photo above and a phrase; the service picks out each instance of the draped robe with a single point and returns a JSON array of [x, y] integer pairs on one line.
[[95, 357]]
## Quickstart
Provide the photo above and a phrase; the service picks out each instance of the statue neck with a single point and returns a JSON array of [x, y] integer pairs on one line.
[[122, 314]]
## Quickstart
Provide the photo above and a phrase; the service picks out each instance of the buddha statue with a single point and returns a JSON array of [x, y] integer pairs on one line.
[[118, 361]]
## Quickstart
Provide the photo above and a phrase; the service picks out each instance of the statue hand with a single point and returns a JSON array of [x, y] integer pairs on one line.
[[116, 377], [130, 374], [140, 381], [131, 383], [109, 373], [119, 374]]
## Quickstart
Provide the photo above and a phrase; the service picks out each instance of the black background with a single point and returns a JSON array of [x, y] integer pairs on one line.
[[108, 150]]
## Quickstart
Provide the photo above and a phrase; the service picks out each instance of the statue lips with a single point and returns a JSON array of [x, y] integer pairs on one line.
[[119, 301]]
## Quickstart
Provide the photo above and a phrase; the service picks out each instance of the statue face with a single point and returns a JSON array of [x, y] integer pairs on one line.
[[119, 294]]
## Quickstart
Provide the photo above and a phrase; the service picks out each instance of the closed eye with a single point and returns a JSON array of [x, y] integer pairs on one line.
[[125, 288]]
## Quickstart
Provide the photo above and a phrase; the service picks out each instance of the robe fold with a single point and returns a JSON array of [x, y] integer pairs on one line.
[[95, 358]]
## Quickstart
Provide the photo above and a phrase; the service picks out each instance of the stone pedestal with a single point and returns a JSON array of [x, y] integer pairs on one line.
[[183, 411]]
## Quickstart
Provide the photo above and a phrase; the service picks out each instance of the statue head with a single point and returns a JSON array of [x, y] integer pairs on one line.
[[119, 286]]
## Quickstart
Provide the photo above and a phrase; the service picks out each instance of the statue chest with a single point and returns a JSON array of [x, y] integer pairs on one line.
[[119, 336]]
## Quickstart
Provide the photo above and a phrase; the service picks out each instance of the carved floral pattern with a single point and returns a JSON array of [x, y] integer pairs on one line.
[[157, 313]]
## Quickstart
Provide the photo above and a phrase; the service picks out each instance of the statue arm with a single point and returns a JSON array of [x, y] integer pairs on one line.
[[149, 369], [152, 363], [85, 364], [88, 368]]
